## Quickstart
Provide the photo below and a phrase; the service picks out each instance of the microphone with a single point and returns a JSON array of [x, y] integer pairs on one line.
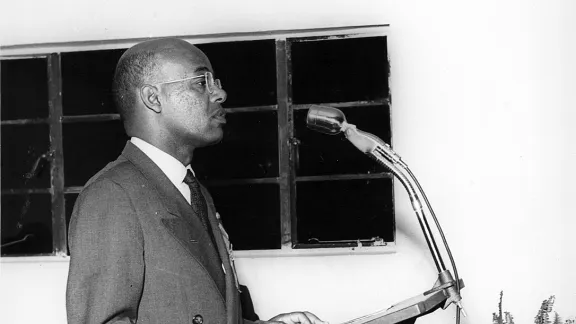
[[331, 121], [446, 290], [325, 119]]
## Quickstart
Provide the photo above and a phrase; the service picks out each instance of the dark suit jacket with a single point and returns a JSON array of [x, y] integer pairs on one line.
[[139, 253]]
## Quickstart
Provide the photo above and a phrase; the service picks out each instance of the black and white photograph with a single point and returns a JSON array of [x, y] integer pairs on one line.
[[287, 162]]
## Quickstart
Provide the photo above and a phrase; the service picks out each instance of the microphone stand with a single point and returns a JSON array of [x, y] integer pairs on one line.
[[445, 290]]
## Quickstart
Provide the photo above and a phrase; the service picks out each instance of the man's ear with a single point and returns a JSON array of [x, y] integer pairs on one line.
[[150, 96]]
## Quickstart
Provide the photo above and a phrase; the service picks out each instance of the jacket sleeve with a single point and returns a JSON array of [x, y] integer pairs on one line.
[[106, 273], [248, 312]]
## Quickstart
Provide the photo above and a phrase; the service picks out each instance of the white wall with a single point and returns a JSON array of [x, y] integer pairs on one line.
[[483, 100]]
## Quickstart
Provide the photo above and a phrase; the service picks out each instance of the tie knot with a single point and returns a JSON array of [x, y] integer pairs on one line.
[[189, 179]]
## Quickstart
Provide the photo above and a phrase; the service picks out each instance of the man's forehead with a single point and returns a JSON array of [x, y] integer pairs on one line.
[[183, 63], [174, 57]]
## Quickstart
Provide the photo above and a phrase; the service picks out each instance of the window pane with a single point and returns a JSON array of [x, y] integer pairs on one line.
[[247, 70], [26, 224], [250, 214], [87, 81], [24, 89], [22, 163], [321, 154], [340, 70], [248, 150], [345, 210], [69, 201], [88, 147]]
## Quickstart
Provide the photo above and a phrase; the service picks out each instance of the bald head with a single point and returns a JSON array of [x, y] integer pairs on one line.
[[143, 64]]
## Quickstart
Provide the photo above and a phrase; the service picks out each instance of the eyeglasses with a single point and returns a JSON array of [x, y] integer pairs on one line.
[[210, 83]]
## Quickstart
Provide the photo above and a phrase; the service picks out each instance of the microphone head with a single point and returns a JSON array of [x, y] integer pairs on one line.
[[325, 119]]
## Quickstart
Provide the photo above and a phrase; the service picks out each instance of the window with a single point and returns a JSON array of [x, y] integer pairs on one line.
[[276, 184], [26, 99]]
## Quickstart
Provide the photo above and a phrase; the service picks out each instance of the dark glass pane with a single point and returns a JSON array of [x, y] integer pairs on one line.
[[321, 154], [339, 70], [249, 149], [24, 89], [69, 201], [26, 224], [345, 210], [23, 164], [247, 71], [88, 147], [250, 214], [87, 81]]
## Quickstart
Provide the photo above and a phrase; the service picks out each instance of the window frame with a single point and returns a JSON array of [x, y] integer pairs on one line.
[[55, 153], [287, 143]]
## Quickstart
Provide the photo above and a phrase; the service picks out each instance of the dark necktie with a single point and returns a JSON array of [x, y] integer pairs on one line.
[[198, 204], [197, 199]]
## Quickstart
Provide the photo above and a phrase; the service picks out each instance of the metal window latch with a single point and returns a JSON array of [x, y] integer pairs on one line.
[[294, 141], [37, 166]]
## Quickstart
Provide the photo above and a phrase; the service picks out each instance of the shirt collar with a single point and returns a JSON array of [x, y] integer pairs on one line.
[[172, 168]]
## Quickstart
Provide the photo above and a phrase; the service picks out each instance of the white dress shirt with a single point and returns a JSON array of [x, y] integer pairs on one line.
[[176, 171], [172, 168]]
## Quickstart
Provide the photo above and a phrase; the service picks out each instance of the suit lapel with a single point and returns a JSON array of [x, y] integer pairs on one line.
[[234, 314], [182, 223]]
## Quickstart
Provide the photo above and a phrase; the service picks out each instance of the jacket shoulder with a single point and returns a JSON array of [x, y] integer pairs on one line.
[[121, 172]]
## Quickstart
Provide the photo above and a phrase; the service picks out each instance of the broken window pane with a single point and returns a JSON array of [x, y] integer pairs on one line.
[[25, 156], [26, 224]]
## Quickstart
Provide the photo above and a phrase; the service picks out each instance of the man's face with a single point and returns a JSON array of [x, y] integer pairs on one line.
[[191, 114]]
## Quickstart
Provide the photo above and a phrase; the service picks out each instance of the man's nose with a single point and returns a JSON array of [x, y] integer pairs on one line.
[[218, 96]]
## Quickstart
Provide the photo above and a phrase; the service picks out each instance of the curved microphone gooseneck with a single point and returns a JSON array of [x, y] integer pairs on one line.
[[446, 290]]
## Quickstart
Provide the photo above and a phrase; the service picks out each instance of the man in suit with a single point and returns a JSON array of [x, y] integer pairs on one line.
[[145, 243]]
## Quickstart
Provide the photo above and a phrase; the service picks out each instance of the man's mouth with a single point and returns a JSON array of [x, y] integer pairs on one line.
[[220, 116]]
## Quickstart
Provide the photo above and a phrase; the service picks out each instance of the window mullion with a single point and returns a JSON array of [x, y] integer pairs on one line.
[[285, 133], [59, 239]]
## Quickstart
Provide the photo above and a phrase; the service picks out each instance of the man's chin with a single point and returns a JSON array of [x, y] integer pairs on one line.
[[212, 140]]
